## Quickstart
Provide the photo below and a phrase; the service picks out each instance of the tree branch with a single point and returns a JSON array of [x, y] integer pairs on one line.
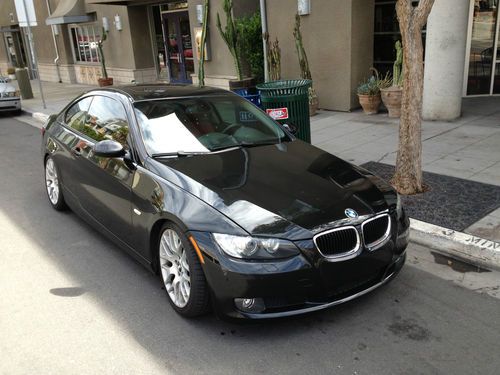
[[404, 11], [422, 12]]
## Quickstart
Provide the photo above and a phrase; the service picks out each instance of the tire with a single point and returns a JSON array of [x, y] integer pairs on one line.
[[177, 260], [53, 185]]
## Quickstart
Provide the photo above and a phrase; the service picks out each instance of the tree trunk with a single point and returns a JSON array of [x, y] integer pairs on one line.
[[408, 176]]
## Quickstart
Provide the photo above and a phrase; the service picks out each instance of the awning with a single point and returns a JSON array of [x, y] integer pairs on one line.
[[69, 11]]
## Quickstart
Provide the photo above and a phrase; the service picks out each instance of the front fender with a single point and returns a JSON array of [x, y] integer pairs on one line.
[[155, 199]]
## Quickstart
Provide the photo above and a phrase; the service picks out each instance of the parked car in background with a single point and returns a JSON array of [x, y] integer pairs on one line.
[[223, 202], [10, 99]]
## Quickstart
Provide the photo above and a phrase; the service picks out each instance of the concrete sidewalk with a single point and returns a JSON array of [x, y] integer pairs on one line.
[[467, 148], [57, 95]]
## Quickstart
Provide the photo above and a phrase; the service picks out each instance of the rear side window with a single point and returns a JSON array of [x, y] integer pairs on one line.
[[76, 115]]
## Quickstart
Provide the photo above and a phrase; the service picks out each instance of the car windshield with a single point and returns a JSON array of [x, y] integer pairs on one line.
[[204, 124]]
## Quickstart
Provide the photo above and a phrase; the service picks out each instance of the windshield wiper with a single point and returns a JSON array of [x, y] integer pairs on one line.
[[178, 154], [245, 144]]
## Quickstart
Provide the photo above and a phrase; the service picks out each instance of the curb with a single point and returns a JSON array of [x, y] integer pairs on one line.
[[471, 249], [40, 117]]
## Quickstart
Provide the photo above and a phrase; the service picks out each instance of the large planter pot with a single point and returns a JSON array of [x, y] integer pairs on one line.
[[105, 81], [12, 77], [370, 103], [391, 97]]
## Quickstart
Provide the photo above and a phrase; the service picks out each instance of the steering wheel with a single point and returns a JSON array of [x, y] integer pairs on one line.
[[232, 126]]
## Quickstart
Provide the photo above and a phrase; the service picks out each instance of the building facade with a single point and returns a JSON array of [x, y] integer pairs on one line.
[[154, 40]]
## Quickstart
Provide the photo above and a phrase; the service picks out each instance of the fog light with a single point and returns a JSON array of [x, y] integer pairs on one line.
[[247, 303], [253, 305]]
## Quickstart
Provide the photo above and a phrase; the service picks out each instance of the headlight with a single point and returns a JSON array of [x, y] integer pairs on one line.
[[247, 247]]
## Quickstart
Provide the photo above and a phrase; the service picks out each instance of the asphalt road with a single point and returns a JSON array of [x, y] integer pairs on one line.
[[73, 303]]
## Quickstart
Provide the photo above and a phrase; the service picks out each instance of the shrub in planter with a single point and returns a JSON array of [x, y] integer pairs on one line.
[[250, 45], [369, 96]]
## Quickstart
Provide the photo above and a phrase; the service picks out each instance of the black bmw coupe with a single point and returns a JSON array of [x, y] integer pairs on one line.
[[222, 202]]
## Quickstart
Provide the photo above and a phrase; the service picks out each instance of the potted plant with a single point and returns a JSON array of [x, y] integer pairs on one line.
[[249, 30], [305, 72], [11, 73], [391, 96], [369, 96], [104, 80], [231, 36], [369, 92]]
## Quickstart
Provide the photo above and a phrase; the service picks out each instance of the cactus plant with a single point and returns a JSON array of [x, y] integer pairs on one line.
[[201, 66], [101, 53], [392, 96], [230, 35], [273, 59], [305, 72], [397, 70]]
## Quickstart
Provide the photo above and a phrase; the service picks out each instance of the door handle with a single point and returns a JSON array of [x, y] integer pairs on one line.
[[76, 151]]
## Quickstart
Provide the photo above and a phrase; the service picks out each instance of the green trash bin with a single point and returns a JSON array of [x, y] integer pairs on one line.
[[287, 101]]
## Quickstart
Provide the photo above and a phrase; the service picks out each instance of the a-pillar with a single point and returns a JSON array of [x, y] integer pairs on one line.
[[445, 53]]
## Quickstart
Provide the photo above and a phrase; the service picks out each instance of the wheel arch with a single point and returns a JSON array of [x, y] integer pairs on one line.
[[154, 236]]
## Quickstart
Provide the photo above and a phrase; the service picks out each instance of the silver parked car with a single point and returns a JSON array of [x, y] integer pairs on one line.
[[10, 99]]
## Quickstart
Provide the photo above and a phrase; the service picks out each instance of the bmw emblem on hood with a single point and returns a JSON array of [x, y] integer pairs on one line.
[[350, 213]]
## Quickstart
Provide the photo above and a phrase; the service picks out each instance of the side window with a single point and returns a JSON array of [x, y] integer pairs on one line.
[[107, 119], [76, 115]]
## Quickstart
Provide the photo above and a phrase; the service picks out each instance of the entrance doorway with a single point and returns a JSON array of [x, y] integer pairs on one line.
[[483, 76], [15, 48], [178, 45]]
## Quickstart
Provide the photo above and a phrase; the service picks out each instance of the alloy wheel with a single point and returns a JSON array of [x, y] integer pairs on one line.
[[175, 268], [52, 181]]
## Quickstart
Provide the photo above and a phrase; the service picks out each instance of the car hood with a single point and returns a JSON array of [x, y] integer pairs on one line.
[[7, 87], [291, 190]]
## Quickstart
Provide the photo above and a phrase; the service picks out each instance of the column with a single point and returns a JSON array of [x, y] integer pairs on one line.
[[447, 29]]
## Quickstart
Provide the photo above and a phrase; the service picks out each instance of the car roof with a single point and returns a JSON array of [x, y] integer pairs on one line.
[[149, 91]]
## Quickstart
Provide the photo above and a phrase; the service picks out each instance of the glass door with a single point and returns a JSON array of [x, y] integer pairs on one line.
[[484, 59], [179, 51], [15, 49]]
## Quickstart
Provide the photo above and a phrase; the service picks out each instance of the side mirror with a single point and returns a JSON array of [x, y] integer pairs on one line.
[[291, 128], [109, 149]]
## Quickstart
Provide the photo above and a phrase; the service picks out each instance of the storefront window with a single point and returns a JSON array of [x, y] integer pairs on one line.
[[174, 5], [84, 40], [484, 64], [386, 34]]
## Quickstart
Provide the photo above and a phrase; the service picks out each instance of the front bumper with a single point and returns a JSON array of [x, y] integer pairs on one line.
[[10, 104], [305, 283]]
